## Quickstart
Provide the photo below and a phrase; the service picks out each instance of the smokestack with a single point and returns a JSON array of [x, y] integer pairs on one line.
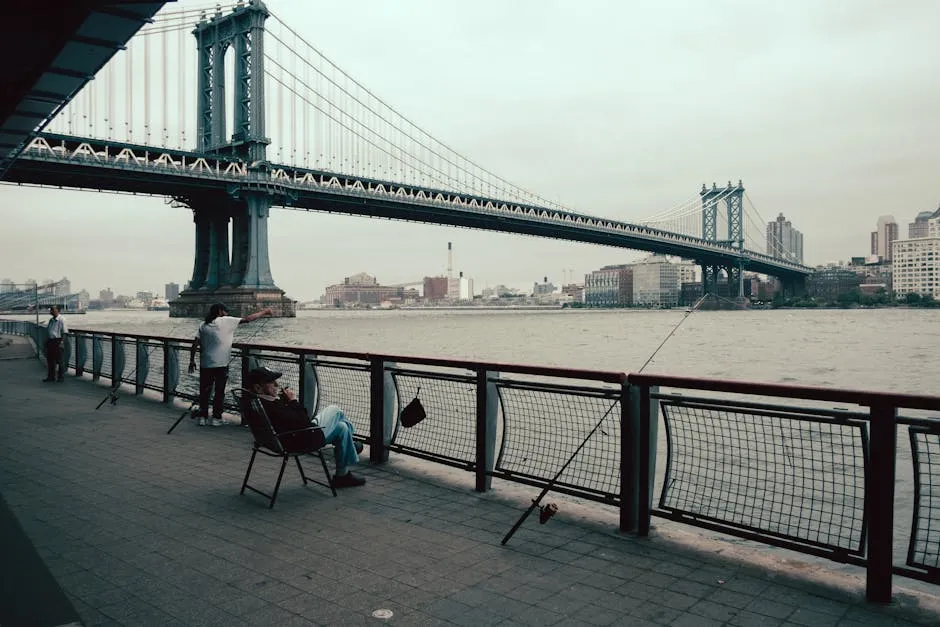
[[461, 274], [450, 261], [544, 279]]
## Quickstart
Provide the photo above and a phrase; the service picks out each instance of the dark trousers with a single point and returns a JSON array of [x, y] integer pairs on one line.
[[210, 378], [54, 358]]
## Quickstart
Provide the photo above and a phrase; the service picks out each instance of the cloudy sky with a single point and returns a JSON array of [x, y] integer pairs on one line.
[[828, 112]]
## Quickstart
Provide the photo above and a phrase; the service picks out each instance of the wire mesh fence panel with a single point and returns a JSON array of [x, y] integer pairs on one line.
[[544, 428], [924, 548], [154, 379], [449, 429], [347, 386], [188, 385], [106, 356], [130, 361], [792, 476]]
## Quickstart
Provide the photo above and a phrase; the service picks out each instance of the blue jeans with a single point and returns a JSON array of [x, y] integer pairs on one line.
[[339, 432]]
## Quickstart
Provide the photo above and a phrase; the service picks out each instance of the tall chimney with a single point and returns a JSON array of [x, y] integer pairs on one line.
[[450, 261]]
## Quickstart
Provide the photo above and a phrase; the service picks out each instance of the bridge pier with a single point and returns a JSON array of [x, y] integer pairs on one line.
[[240, 279]]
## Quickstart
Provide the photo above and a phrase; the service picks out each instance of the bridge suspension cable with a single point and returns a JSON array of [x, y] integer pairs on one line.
[[361, 131]]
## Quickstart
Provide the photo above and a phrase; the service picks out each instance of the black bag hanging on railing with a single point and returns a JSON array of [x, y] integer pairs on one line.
[[413, 413]]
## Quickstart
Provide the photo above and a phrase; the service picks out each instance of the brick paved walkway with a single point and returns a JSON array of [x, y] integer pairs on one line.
[[142, 528]]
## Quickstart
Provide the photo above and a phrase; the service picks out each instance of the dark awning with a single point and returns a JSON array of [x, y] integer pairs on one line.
[[52, 48]]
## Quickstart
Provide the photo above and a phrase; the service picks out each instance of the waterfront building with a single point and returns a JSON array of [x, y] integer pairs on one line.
[[830, 282], [6, 286], [435, 288], [873, 272], [887, 232], [656, 282], [917, 266], [574, 291], [611, 286], [360, 290], [544, 287], [784, 241], [460, 288]]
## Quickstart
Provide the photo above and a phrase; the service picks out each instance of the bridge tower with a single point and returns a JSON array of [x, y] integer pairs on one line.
[[238, 275], [712, 273]]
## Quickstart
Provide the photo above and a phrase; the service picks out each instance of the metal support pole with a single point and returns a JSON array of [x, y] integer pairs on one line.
[[643, 472], [378, 451], [627, 468], [36, 302], [879, 502], [487, 407]]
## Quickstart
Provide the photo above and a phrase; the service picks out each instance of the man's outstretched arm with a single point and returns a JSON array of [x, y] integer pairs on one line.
[[258, 314]]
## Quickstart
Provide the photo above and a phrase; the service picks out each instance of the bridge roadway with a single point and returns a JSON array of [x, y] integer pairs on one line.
[[62, 161]]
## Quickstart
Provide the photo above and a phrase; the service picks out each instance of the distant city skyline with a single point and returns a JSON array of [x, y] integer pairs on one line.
[[799, 123]]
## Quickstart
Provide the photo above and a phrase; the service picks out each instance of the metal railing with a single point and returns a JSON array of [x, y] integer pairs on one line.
[[802, 476]]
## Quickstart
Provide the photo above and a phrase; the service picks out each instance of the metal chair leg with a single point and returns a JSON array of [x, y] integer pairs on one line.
[[301, 469], [254, 452], [277, 486], [329, 477]]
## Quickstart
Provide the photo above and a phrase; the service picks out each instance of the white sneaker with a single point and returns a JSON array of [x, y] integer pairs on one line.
[[217, 422], [202, 422]]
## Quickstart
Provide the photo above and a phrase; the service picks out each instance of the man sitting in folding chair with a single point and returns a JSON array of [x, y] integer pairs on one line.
[[287, 414]]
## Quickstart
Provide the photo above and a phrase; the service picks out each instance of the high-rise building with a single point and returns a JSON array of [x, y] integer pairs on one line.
[[887, 232], [784, 241], [916, 263], [918, 228], [171, 291]]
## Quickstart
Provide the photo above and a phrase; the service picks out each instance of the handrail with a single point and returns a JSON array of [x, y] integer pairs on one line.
[[813, 393]]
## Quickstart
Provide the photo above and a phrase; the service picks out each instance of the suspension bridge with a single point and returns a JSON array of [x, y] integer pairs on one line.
[[231, 112]]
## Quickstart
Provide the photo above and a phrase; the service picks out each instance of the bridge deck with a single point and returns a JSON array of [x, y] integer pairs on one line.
[[138, 527]]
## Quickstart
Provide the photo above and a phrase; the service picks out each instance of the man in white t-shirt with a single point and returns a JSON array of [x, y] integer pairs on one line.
[[215, 337], [55, 331]]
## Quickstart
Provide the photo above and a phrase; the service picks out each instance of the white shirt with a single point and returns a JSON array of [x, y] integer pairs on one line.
[[57, 328], [216, 341]]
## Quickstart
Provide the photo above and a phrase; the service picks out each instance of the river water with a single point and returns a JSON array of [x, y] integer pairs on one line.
[[892, 350]]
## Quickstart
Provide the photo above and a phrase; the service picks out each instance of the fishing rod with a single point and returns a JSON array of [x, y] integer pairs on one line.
[[549, 510], [112, 393], [202, 389]]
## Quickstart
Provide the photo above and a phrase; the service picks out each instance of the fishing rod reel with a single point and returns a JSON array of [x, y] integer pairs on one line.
[[546, 512]]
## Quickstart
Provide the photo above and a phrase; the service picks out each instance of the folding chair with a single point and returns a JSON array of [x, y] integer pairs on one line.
[[287, 444]]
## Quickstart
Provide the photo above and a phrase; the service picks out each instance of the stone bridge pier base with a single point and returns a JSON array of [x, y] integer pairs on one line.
[[240, 277]]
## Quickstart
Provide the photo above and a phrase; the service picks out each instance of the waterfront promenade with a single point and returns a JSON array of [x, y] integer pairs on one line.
[[112, 522]]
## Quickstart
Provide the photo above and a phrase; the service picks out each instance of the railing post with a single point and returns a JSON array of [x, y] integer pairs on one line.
[[639, 433], [378, 451], [879, 502], [628, 497], [81, 354], [486, 414]]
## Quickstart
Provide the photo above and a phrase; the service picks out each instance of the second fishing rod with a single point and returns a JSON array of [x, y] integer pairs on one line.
[[547, 511]]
